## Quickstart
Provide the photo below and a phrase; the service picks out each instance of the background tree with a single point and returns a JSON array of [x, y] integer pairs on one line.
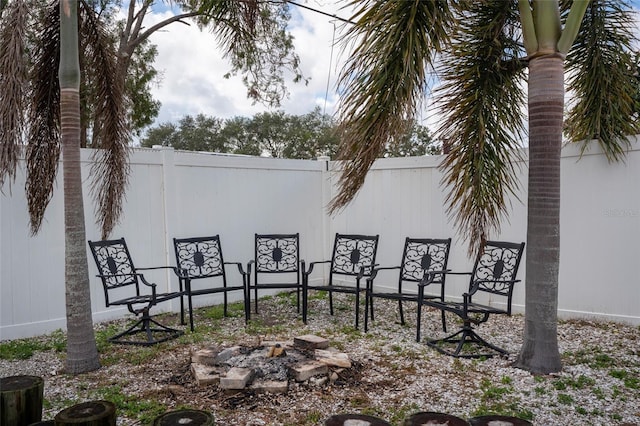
[[201, 133], [278, 135], [236, 135], [416, 142], [482, 100], [253, 36], [270, 131], [41, 103], [139, 78], [311, 135]]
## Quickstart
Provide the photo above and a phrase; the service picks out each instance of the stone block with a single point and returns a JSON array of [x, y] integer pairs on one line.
[[310, 341], [333, 358], [236, 378], [303, 371], [204, 374], [226, 354], [205, 356], [270, 386]]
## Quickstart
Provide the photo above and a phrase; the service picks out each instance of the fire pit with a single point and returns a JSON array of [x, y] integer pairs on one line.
[[269, 366]]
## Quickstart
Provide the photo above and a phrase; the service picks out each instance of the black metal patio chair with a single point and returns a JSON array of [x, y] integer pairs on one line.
[[493, 276], [201, 258], [276, 265], [352, 260], [121, 282], [423, 264]]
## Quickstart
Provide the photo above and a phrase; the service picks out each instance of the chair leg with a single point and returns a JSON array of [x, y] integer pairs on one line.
[[304, 304], [247, 304], [371, 308], [149, 327], [466, 335], [401, 312], [418, 322], [190, 311], [357, 308], [367, 300], [331, 302], [444, 321], [298, 298], [419, 313], [255, 293], [181, 304]]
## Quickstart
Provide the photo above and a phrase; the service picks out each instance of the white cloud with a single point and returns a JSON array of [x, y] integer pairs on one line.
[[193, 69]]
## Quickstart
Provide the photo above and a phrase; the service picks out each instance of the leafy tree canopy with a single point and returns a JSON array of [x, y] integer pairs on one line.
[[276, 134]]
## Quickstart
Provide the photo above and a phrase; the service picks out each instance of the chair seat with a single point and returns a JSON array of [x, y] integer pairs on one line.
[[458, 307], [274, 285], [146, 298], [336, 288], [214, 290], [409, 297]]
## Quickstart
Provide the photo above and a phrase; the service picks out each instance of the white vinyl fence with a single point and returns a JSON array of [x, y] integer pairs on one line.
[[184, 194]]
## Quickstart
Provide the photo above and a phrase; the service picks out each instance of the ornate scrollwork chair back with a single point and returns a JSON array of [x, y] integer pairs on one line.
[[423, 266], [275, 266], [201, 258], [494, 274], [353, 256], [495, 270], [125, 285]]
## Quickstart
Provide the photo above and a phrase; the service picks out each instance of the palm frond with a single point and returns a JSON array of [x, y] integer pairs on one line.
[[43, 149], [482, 108], [110, 169], [601, 72], [384, 80], [253, 34], [13, 86]]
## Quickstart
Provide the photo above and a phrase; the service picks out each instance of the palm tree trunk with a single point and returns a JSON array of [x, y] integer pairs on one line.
[[539, 353], [82, 352]]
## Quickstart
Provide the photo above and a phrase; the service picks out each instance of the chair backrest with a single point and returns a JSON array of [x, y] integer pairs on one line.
[[199, 257], [354, 253], [496, 267], [277, 253], [424, 254], [114, 264]]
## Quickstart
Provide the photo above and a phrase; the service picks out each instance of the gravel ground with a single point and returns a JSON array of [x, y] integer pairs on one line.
[[392, 375]]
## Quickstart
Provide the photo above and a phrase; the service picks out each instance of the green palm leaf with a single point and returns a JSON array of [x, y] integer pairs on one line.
[[384, 80], [601, 67], [482, 104]]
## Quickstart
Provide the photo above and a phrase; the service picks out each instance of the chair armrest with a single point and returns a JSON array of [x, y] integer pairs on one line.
[[175, 269], [239, 265], [429, 276], [364, 270], [119, 275], [148, 284], [375, 271], [476, 284], [311, 265]]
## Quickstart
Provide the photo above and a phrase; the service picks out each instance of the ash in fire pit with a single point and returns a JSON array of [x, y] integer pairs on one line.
[[269, 366]]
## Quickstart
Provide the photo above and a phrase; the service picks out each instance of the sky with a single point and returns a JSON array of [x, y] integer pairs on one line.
[[192, 67]]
